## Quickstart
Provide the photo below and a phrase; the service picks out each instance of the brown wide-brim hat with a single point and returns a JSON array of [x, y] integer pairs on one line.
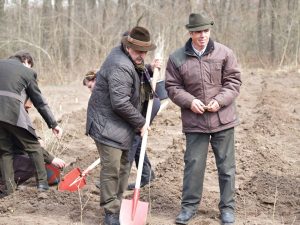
[[139, 39], [197, 22]]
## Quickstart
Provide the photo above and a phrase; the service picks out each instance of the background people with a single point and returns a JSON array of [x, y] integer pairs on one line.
[[17, 83], [203, 79], [89, 79]]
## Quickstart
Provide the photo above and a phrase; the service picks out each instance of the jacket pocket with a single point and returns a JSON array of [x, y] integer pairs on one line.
[[215, 72], [116, 132], [227, 114]]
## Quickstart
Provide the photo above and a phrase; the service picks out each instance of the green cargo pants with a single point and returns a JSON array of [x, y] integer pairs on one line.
[[10, 137], [115, 170], [195, 162]]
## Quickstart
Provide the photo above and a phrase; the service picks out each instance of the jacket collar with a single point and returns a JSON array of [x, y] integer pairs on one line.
[[189, 49], [15, 59]]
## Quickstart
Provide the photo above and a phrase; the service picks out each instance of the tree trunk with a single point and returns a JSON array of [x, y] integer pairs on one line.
[[2, 2], [91, 4], [272, 40], [260, 11], [23, 16], [104, 15], [46, 22], [71, 34], [121, 12], [59, 34]]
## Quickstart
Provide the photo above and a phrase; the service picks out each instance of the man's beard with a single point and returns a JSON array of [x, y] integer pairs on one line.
[[140, 66]]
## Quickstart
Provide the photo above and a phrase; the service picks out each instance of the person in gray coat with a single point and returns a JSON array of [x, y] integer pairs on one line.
[[18, 82], [203, 79], [114, 115]]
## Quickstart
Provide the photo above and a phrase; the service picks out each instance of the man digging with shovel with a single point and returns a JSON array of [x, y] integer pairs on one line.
[[114, 115]]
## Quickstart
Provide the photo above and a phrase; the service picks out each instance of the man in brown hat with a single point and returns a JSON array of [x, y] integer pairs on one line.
[[148, 175], [114, 115], [203, 79]]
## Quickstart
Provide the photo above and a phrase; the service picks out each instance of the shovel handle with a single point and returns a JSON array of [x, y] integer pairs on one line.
[[92, 166], [145, 136]]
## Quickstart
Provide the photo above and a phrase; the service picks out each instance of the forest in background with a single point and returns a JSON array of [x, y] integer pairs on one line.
[[69, 37]]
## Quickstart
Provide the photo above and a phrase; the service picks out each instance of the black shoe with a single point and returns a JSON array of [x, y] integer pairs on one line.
[[43, 187], [184, 216], [3, 194], [111, 219], [132, 185], [227, 218]]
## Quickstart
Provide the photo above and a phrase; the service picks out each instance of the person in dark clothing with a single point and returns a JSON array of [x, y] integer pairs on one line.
[[114, 115], [17, 84], [203, 78], [148, 175], [147, 172], [24, 167]]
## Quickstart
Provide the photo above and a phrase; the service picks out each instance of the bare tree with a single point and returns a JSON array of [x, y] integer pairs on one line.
[[24, 16], [92, 4], [121, 12], [46, 21], [272, 40], [70, 34], [2, 2], [260, 27], [2, 24], [76, 35]]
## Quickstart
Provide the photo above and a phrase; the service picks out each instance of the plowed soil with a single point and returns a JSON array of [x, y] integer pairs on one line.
[[267, 158]]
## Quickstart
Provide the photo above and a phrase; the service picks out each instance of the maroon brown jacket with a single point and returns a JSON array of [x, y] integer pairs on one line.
[[214, 75]]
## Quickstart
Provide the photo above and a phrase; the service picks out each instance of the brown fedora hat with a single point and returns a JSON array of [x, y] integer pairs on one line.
[[197, 22], [139, 39]]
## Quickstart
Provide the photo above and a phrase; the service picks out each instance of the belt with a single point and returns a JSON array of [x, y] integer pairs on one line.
[[12, 95]]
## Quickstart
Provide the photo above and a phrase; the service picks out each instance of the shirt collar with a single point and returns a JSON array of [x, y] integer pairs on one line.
[[198, 53]]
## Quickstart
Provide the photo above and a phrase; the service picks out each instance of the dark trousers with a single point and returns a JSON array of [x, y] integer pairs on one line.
[[134, 153], [195, 162], [10, 136], [147, 172], [115, 169]]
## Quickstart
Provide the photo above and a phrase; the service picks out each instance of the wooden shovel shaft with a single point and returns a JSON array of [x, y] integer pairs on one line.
[[92, 166], [83, 174]]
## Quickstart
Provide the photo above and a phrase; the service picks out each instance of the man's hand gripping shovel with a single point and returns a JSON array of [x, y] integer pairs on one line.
[[134, 212], [75, 179]]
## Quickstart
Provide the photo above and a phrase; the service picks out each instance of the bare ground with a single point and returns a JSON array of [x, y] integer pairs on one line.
[[267, 156]]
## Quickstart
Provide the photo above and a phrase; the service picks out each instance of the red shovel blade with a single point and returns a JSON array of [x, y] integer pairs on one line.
[[72, 181], [133, 212]]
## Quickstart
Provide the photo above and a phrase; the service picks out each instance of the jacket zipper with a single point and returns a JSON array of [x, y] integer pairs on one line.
[[204, 95]]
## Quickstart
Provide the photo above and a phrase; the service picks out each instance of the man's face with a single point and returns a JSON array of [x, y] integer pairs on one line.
[[200, 38], [137, 56]]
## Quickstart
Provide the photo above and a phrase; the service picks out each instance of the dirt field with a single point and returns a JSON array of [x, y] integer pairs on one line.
[[267, 156]]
